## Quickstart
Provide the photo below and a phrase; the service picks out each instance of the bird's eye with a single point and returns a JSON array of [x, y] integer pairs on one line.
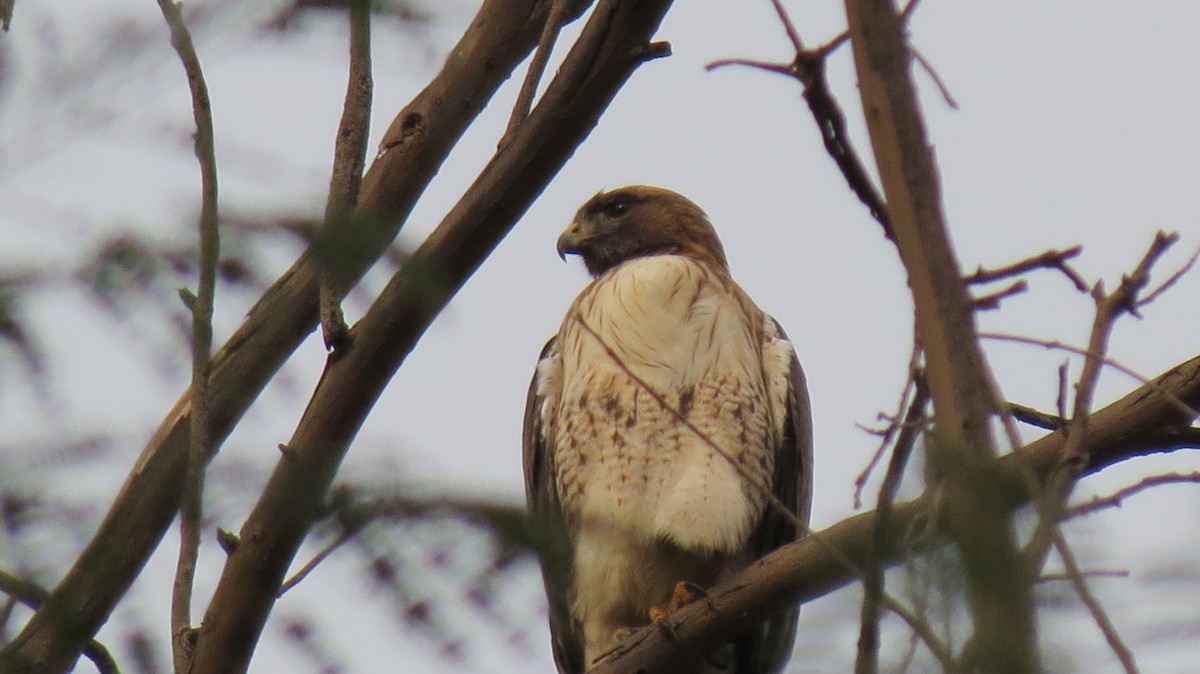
[[616, 209]]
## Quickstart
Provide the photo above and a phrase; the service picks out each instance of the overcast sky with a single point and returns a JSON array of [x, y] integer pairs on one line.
[[1076, 125]]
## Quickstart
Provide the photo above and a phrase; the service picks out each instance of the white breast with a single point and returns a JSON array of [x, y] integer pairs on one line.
[[625, 460]]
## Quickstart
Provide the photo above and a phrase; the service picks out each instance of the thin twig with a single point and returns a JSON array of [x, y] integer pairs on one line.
[[788, 26], [933, 75], [894, 424], [202, 311], [317, 559], [1107, 360], [1034, 417], [1099, 615], [32, 595], [991, 301], [349, 157], [924, 632], [1115, 499], [808, 68], [1172, 280], [867, 659], [537, 67], [1060, 401], [1051, 259]]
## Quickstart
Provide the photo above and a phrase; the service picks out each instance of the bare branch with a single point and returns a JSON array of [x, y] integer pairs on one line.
[[894, 423], [1171, 280], [1051, 259], [537, 66], [311, 565], [924, 632], [788, 26], [933, 75], [1099, 615], [349, 157], [1116, 499], [1062, 346], [1035, 417], [202, 312], [808, 68], [867, 660], [991, 301]]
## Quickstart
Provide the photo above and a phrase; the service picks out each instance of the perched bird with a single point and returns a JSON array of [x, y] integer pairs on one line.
[[659, 419]]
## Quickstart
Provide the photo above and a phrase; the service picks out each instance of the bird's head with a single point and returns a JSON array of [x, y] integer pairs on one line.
[[639, 221]]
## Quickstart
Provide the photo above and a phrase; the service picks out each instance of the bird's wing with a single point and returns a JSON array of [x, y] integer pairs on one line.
[[768, 649], [546, 516]]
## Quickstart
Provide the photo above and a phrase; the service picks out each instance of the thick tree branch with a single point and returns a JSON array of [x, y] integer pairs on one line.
[[502, 33], [961, 445], [1141, 423], [614, 42]]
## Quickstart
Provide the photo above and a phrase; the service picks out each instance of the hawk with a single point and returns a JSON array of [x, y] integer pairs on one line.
[[659, 419]]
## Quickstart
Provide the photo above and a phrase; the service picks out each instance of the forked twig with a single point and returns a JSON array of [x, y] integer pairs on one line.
[[867, 658], [808, 68], [349, 158], [1051, 259], [1115, 499], [894, 425]]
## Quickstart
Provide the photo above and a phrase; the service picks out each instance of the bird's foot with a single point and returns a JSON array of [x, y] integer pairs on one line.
[[684, 593]]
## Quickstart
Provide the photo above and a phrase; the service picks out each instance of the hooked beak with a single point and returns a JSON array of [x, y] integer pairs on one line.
[[570, 241]]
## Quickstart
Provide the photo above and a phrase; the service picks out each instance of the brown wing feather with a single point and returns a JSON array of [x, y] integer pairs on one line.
[[770, 646], [549, 528]]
